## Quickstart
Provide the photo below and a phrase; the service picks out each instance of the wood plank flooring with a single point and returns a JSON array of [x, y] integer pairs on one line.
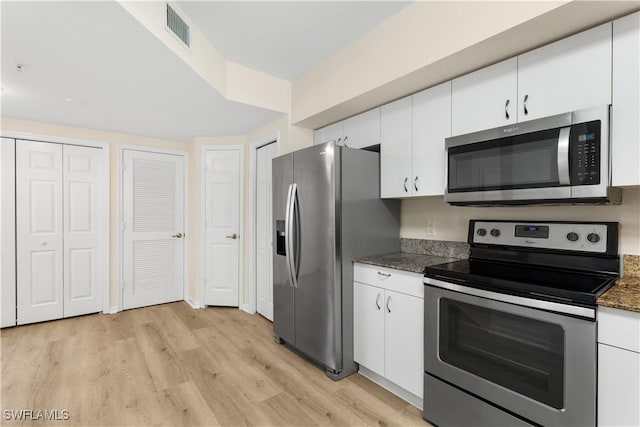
[[175, 366]]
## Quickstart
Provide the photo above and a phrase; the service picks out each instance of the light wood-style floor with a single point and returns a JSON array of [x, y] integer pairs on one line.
[[172, 365]]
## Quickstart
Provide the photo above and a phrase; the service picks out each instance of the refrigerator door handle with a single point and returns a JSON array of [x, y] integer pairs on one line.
[[288, 225], [291, 207]]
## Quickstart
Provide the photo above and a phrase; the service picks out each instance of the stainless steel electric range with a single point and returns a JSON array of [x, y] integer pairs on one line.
[[510, 333]]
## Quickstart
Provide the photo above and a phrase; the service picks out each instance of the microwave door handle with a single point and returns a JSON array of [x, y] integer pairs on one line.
[[563, 156]]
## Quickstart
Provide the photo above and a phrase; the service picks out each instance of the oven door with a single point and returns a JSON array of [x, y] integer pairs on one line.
[[533, 363]]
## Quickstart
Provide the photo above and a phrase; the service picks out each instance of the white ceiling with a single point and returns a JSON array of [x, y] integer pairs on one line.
[[122, 79], [285, 38]]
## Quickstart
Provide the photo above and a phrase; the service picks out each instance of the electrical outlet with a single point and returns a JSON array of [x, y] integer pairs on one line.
[[431, 228]]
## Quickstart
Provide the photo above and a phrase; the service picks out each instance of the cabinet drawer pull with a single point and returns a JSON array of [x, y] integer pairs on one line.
[[378, 301], [506, 110], [384, 274], [406, 190], [526, 111], [389, 304]]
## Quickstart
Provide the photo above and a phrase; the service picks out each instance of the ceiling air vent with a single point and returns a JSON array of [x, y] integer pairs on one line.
[[178, 27]]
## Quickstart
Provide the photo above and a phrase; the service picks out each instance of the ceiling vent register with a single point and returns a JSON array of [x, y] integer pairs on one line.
[[178, 26]]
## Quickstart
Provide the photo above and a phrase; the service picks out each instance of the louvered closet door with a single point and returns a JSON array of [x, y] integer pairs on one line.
[[153, 211], [39, 256], [82, 212]]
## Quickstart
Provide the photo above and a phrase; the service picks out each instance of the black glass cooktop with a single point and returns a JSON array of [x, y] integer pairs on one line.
[[545, 283]]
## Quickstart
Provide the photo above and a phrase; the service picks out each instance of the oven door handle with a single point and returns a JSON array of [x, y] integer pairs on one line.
[[588, 313], [563, 156]]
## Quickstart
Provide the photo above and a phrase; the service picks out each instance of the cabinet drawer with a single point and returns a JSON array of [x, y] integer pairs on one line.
[[399, 281], [619, 328]]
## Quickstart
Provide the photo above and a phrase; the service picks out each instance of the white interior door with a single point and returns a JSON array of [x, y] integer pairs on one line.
[[222, 227], [264, 230], [39, 222], [82, 213], [7, 233], [153, 223]]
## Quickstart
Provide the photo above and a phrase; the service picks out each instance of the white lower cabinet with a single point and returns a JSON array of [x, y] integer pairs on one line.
[[618, 367], [388, 327]]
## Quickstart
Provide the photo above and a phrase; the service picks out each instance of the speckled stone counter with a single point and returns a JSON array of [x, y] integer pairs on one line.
[[414, 263], [625, 294]]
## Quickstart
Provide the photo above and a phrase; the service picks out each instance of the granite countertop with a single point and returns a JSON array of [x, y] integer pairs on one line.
[[625, 294], [414, 263]]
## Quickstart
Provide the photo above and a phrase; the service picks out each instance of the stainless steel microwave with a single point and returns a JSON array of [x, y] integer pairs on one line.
[[558, 159]]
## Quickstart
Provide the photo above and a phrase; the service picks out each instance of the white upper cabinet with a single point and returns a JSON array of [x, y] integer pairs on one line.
[[395, 149], [431, 125], [625, 128], [485, 98], [571, 74], [332, 132], [362, 130], [358, 131]]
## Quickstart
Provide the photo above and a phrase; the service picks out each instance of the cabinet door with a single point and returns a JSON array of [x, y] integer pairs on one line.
[[403, 332], [570, 74], [332, 132], [39, 234], [625, 126], [618, 386], [362, 130], [485, 98], [431, 125], [395, 149], [368, 327]]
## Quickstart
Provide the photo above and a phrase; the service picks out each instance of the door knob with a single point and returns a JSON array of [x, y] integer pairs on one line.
[[233, 236], [179, 235]]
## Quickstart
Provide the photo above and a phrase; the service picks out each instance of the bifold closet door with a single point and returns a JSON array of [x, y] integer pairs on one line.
[[39, 243], [81, 216], [57, 231]]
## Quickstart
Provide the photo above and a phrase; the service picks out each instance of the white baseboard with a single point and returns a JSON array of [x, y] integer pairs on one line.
[[245, 308], [392, 387], [193, 304], [113, 309]]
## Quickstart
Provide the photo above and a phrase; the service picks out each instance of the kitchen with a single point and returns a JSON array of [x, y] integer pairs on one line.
[[393, 95]]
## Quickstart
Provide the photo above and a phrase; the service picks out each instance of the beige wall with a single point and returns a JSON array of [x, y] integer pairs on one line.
[[452, 221]]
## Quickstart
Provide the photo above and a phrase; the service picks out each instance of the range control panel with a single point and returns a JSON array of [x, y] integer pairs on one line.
[[583, 237]]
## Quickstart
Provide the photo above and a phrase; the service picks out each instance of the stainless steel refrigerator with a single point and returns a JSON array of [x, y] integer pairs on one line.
[[327, 210]]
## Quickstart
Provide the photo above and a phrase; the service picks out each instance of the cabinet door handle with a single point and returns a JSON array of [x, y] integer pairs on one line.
[[415, 183], [338, 141], [526, 111], [506, 110], [344, 142], [406, 190], [378, 301], [384, 274], [389, 304]]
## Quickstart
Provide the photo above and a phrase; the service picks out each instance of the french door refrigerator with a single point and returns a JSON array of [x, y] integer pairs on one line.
[[327, 210]]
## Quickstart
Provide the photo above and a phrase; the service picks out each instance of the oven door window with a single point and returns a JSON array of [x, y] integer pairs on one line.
[[523, 161], [522, 354]]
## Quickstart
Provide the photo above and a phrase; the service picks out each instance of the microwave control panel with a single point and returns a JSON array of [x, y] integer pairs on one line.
[[585, 153]]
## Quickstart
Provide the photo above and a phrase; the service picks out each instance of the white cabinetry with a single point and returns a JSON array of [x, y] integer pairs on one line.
[[395, 149], [571, 74], [388, 328], [618, 367], [358, 131], [485, 98], [625, 128], [431, 122]]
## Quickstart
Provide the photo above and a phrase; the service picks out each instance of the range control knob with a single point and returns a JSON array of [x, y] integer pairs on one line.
[[495, 232], [481, 232], [593, 237], [572, 237]]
